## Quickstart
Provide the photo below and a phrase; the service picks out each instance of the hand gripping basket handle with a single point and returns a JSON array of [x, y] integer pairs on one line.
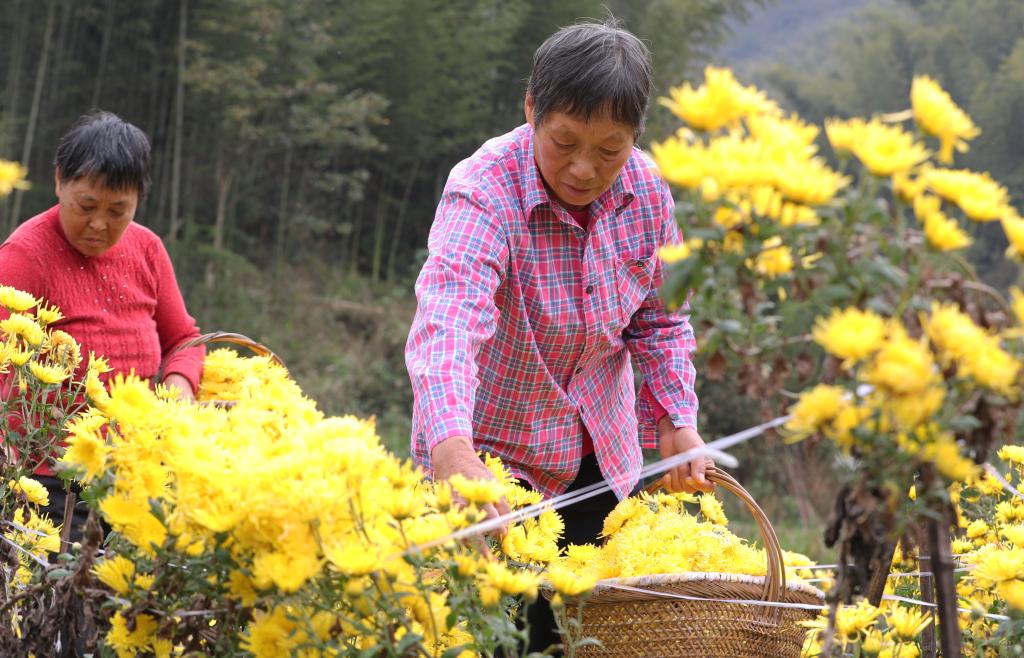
[[222, 337], [775, 580]]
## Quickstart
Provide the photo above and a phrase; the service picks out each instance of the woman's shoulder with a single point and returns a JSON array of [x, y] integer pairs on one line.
[[37, 232], [143, 239]]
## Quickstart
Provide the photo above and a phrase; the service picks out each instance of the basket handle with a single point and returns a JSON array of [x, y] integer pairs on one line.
[[222, 337], [775, 580]]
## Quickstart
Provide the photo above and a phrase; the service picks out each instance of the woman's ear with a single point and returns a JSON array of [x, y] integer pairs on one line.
[[528, 109]]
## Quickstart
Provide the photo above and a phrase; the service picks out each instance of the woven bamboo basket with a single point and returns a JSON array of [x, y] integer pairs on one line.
[[226, 337], [641, 618]]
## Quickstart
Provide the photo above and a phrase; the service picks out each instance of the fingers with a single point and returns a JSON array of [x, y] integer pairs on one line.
[[689, 478], [493, 512], [697, 478]]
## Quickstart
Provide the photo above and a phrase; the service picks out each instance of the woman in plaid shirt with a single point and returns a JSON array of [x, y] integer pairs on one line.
[[541, 290]]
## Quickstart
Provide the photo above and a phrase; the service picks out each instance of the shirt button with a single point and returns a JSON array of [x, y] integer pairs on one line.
[[589, 289]]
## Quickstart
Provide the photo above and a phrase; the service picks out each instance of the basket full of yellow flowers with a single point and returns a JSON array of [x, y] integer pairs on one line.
[[670, 583]]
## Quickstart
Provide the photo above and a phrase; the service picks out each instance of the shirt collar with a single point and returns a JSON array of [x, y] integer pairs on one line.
[[535, 193]]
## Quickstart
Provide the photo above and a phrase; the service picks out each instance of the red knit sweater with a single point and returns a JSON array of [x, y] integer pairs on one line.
[[124, 305]]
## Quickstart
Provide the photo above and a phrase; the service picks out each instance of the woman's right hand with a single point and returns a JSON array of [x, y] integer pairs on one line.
[[456, 455]]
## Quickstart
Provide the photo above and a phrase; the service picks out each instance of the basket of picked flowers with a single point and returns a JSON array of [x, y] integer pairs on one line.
[[670, 583]]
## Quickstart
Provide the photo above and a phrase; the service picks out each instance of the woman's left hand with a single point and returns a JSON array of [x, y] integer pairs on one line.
[[182, 385], [690, 476]]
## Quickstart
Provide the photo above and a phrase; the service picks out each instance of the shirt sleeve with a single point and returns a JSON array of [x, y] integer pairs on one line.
[[456, 313], [662, 344], [173, 323]]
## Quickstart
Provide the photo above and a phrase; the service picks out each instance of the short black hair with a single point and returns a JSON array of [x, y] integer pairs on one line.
[[591, 68], [106, 149]]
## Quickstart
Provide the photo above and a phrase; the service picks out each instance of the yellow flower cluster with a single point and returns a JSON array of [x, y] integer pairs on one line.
[[27, 343], [890, 630], [658, 534], [907, 379], [34, 534], [294, 501], [989, 549]]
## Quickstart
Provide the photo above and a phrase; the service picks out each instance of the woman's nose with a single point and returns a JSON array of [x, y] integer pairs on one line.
[[582, 169]]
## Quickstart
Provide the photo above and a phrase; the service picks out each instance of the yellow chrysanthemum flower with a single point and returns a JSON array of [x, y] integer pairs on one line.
[[48, 315], [806, 181], [673, 253], [1017, 302], [774, 259], [681, 162], [1001, 565], [944, 233], [508, 581], [24, 327], [1011, 453], [850, 334], [1013, 226], [815, 408], [979, 196], [843, 134], [476, 491], [903, 366], [130, 642], [711, 509], [47, 374], [569, 583], [886, 149], [33, 490], [949, 460], [720, 102], [991, 366], [12, 177], [63, 350], [953, 333], [906, 187], [1012, 592], [15, 300], [785, 133], [938, 115], [1014, 534], [116, 573], [907, 623]]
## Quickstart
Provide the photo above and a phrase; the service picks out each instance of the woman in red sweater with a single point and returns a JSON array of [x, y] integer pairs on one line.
[[110, 277]]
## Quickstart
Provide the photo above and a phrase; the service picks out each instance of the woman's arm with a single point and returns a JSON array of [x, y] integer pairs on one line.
[[182, 368]]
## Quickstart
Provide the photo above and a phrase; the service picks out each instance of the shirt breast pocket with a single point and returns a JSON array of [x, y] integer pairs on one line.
[[635, 283]]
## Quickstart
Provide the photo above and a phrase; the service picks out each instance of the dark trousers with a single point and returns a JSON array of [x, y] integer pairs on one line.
[[583, 523], [55, 510]]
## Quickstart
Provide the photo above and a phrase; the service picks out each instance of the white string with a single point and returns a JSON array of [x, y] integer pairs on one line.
[[572, 497], [926, 604], [991, 470], [22, 528], [685, 597], [901, 574], [713, 450], [779, 604], [43, 563]]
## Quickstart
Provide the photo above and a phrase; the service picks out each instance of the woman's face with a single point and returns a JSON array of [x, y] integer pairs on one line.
[[579, 159], [93, 216]]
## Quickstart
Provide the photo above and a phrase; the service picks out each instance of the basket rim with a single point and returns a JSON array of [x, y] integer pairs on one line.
[[795, 586]]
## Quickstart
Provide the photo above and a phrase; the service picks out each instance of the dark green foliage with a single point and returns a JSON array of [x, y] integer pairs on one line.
[[864, 62], [296, 181]]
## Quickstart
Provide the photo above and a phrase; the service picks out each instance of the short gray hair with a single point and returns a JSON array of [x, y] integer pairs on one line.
[[592, 68]]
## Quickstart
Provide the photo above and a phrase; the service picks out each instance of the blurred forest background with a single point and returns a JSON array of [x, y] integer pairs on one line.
[[300, 146]]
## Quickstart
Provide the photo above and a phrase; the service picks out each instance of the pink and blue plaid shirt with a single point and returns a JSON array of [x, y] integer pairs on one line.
[[527, 324]]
